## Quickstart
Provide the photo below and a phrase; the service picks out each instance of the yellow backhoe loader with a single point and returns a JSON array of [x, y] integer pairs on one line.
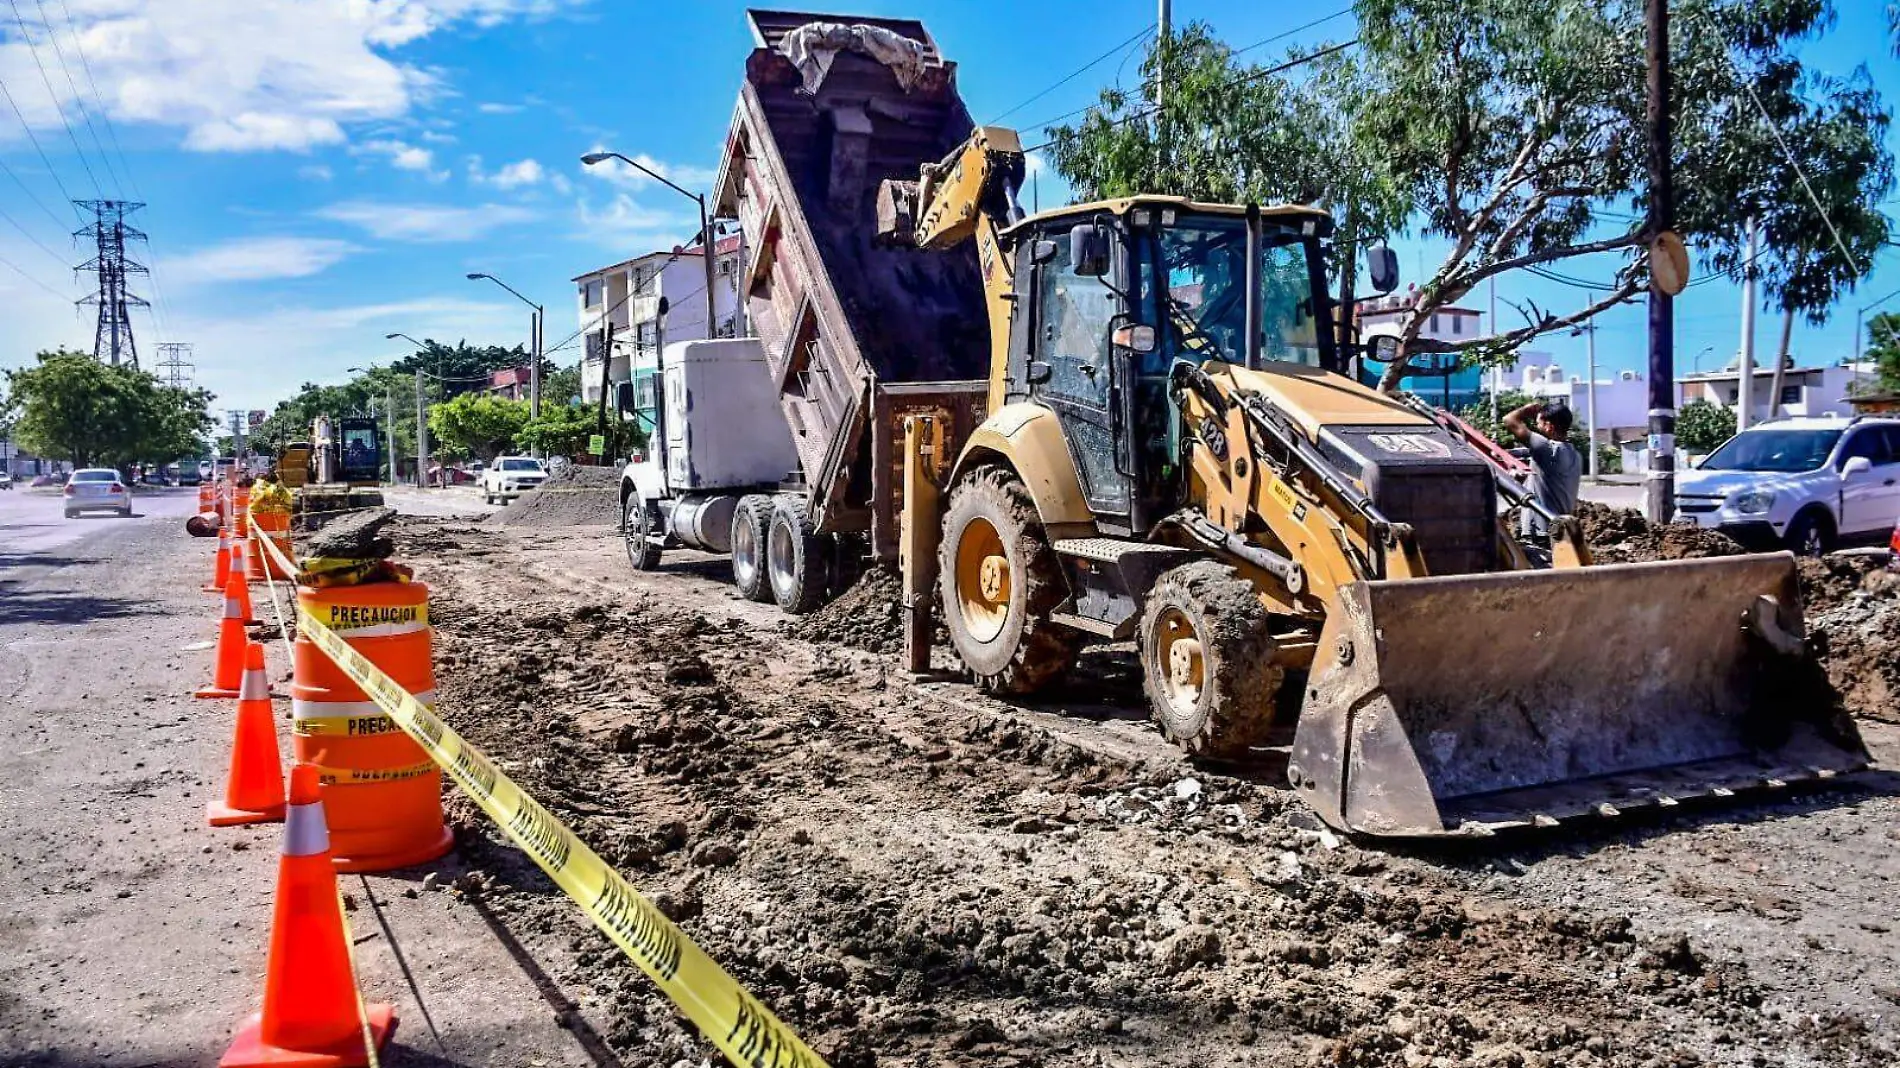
[[1173, 454]]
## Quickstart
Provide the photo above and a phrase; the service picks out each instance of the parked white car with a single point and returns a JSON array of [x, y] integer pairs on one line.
[[508, 476], [97, 489], [1807, 484]]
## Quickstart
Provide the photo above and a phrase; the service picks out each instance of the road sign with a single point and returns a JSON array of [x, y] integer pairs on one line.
[[597, 444]]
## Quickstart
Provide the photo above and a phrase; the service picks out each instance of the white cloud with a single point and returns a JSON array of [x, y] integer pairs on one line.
[[315, 172], [618, 173], [404, 157], [425, 222], [257, 258], [516, 175], [500, 109], [625, 224], [247, 75]]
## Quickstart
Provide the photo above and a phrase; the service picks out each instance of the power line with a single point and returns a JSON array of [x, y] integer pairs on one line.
[[1297, 29], [1076, 73], [28, 127], [105, 113], [17, 180], [1251, 76], [53, 97], [85, 112], [1796, 167], [21, 271], [61, 260]]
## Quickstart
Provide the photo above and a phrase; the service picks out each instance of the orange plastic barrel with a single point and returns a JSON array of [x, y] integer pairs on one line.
[[241, 511], [274, 524], [382, 793]]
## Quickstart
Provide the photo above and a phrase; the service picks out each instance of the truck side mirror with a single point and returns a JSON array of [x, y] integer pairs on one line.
[[1088, 250], [1382, 264]]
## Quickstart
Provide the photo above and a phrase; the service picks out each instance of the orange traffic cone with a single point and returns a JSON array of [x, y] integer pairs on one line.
[[229, 673], [221, 569], [254, 790], [239, 553], [312, 1015]]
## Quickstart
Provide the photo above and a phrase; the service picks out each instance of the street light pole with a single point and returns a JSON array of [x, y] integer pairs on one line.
[[707, 244], [535, 327]]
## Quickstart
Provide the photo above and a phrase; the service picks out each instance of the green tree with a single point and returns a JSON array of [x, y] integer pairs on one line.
[[1515, 132], [477, 424], [1883, 349], [1701, 426], [565, 430], [560, 385], [72, 406], [461, 367]]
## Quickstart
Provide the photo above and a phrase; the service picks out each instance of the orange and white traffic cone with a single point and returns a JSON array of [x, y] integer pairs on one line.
[[240, 552], [254, 789], [312, 1016], [221, 569], [228, 675]]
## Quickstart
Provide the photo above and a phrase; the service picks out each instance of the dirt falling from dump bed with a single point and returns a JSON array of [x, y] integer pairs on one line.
[[925, 886], [574, 496], [868, 616]]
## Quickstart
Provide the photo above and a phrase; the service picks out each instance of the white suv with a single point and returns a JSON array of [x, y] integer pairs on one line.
[[1807, 484], [508, 476]]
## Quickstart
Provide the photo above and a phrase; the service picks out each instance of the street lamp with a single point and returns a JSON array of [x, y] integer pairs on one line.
[[705, 221], [534, 339]]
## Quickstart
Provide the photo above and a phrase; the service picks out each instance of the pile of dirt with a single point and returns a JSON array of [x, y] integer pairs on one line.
[[574, 496], [1856, 633], [909, 885], [1622, 535], [868, 616]]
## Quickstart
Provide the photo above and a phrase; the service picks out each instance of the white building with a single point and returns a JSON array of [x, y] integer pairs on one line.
[[1804, 390], [625, 297]]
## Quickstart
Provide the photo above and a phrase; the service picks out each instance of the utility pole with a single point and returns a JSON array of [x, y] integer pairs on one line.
[[534, 374], [389, 427], [1590, 390], [1781, 364], [422, 439], [606, 367], [1745, 386], [1660, 481], [112, 339]]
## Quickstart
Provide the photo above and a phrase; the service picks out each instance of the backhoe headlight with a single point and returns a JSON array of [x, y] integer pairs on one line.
[[1753, 502]]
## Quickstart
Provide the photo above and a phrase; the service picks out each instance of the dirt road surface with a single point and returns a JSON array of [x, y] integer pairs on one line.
[[130, 932], [908, 875]]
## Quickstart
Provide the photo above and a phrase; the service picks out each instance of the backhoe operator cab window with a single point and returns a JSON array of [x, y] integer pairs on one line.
[[1192, 281]]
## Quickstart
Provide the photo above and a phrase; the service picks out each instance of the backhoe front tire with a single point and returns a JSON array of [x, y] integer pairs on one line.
[[1207, 661], [1000, 583]]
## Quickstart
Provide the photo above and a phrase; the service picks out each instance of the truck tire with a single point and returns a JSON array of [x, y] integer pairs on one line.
[[795, 558], [1207, 660], [1811, 533], [638, 521], [751, 525], [1000, 582]]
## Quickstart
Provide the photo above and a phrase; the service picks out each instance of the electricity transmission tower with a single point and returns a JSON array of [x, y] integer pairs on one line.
[[174, 363], [112, 341]]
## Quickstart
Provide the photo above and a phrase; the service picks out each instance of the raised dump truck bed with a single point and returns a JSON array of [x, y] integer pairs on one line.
[[856, 337]]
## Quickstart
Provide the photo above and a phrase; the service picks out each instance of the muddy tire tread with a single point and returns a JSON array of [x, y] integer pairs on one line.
[[1242, 678], [1045, 651]]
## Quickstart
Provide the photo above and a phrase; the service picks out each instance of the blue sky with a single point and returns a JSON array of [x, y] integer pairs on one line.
[[319, 173]]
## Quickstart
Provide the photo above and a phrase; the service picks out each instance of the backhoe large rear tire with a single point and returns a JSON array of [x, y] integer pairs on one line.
[[1207, 660], [1000, 583]]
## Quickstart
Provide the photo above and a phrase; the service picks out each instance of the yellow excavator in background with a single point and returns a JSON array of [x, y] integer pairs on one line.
[[1174, 453]]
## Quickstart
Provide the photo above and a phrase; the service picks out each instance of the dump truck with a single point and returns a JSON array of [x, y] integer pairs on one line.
[[784, 449], [1176, 453]]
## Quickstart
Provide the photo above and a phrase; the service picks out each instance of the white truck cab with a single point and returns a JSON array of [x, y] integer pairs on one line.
[[1807, 484]]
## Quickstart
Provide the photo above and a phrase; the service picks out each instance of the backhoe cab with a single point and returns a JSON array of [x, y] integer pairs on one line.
[[1174, 455]]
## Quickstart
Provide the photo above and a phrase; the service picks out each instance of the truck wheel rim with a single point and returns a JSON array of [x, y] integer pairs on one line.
[[778, 558], [745, 551], [1178, 661], [635, 526], [983, 580]]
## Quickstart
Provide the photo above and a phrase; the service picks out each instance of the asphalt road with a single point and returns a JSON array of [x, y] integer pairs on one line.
[[131, 933]]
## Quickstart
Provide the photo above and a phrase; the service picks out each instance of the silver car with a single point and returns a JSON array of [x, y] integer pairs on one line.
[[97, 489]]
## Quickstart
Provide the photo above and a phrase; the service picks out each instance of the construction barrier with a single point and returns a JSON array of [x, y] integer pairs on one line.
[[733, 1020], [384, 794], [269, 512], [228, 671], [254, 786], [312, 1014]]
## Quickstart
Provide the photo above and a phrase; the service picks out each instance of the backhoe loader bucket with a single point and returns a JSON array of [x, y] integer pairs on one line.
[[1467, 704]]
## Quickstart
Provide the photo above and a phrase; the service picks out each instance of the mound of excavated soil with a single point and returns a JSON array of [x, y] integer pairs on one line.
[[1858, 640], [868, 616], [574, 496], [1622, 535]]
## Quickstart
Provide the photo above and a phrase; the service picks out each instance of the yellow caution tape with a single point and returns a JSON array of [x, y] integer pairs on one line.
[[735, 1021]]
